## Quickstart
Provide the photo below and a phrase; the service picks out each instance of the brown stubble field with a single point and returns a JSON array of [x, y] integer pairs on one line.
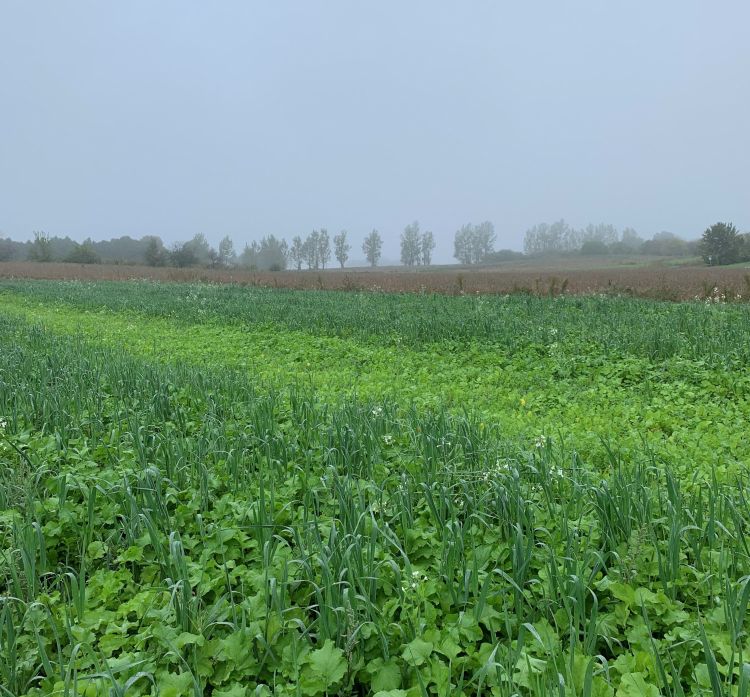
[[652, 281]]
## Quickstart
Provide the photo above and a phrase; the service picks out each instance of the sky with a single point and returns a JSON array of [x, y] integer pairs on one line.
[[252, 118]]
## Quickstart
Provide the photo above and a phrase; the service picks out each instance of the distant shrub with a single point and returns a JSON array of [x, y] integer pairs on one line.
[[594, 248], [503, 255]]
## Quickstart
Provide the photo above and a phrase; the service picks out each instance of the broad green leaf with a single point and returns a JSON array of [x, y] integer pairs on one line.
[[416, 652], [96, 549], [635, 685], [176, 685], [325, 667], [387, 676], [238, 649], [187, 638], [233, 691]]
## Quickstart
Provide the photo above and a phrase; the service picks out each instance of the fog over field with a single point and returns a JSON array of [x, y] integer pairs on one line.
[[248, 119]]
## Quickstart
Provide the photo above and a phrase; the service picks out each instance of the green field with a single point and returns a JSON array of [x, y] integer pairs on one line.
[[215, 490]]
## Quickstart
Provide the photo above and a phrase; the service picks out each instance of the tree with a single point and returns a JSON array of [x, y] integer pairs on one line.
[[226, 255], [272, 254], [604, 233], [428, 246], [201, 249], [552, 239], [183, 255], [462, 244], [324, 248], [667, 244], [745, 247], [155, 254], [721, 244], [83, 254], [296, 255], [249, 256], [341, 248], [7, 249], [484, 241], [411, 245], [127, 249], [630, 242], [41, 248], [311, 250], [372, 247], [474, 243]]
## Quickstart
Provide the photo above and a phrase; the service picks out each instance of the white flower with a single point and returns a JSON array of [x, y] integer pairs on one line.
[[377, 411], [540, 441], [388, 439], [417, 577], [3, 424]]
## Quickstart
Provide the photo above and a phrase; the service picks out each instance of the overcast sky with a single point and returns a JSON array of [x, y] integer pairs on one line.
[[248, 118]]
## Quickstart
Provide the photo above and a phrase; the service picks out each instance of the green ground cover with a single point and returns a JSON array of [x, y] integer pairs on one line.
[[226, 491], [667, 375]]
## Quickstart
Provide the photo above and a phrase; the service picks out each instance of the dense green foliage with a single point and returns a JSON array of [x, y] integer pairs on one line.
[[304, 494], [722, 244], [616, 326]]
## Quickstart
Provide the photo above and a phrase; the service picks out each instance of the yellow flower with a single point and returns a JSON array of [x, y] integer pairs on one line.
[[523, 401]]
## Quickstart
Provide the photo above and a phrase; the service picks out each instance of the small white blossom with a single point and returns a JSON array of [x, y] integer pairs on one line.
[[417, 578]]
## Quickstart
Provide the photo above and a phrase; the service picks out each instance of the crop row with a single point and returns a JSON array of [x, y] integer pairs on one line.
[[716, 332]]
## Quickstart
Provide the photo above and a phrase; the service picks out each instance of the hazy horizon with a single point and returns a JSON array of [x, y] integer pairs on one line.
[[245, 121]]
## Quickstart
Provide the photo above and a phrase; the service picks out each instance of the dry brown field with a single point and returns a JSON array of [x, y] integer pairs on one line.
[[652, 281]]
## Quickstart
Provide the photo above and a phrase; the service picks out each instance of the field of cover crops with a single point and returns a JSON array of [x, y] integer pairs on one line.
[[211, 490]]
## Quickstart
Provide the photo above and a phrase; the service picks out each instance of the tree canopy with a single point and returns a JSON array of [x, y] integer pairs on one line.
[[721, 244]]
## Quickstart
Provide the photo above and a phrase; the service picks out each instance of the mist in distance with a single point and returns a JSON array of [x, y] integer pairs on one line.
[[247, 120]]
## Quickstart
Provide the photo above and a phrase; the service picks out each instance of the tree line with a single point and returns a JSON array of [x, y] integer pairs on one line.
[[559, 238], [269, 253], [721, 243], [45, 248], [473, 244]]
